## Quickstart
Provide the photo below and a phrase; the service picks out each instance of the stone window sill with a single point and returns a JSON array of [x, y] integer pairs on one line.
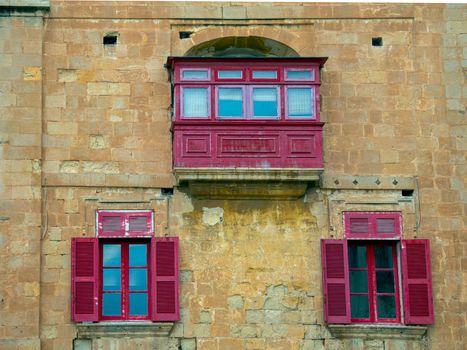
[[123, 329], [378, 331]]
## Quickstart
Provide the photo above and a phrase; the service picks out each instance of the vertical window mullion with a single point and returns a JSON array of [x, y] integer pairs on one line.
[[125, 306], [372, 283]]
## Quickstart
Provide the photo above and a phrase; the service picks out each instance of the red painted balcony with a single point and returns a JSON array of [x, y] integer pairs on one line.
[[260, 114]]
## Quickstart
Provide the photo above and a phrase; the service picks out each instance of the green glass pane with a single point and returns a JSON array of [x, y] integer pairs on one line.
[[359, 306], [358, 281], [383, 257], [384, 281], [386, 306], [357, 256]]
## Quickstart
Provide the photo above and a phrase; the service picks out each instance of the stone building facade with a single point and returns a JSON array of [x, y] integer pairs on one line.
[[86, 125]]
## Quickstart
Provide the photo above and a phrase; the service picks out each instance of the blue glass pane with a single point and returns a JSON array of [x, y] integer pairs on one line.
[[111, 280], [111, 305], [112, 255], [386, 307], [357, 256], [265, 102], [299, 103], [229, 74], [195, 75], [359, 306], [299, 75], [138, 304], [138, 279], [264, 74], [358, 282], [230, 102], [138, 255]]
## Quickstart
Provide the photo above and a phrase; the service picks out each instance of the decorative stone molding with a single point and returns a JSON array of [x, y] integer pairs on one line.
[[378, 331], [368, 182], [123, 329]]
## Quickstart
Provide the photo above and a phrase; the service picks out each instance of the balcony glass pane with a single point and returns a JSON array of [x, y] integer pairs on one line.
[[195, 75], [264, 74], [265, 102], [195, 102], [112, 304], [138, 255], [230, 102], [298, 75], [229, 74], [359, 306], [299, 103], [138, 304], [112, 255]]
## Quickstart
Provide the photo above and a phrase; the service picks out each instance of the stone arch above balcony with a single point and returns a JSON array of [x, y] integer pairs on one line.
[[273, 41]]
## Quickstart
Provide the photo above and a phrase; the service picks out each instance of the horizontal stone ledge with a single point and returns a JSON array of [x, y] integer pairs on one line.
[[21, 5], [123, 329], [368, 182], [378, 331], [107, 180], [247, 174]]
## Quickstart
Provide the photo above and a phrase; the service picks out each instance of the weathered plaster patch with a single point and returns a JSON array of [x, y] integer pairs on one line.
[[213, 216]]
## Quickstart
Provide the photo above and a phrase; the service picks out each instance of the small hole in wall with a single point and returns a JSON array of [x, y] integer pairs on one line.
[[407, 193], [167, 191], [110, 40], [378, 41], [184, 35]]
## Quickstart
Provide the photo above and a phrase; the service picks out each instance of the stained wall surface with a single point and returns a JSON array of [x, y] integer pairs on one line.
[[87, 126]]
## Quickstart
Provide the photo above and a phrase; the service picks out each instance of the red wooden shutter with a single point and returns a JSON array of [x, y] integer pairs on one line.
[[140, 224], [165, 279], [416, 270], [335, 281], [111, 223], [85, 279]]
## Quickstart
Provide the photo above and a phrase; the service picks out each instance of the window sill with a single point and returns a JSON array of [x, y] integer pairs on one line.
[[379, 331], [124, 329]]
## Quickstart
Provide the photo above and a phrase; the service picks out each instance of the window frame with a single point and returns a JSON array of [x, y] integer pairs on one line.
[[208, 101], [124, 279], [193, 69], [308, 69], [313, 102], [229, 80], [244, 102], [253, 80], [251, 114]]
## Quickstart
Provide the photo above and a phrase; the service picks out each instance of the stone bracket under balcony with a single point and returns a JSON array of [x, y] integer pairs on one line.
[[247, 183]]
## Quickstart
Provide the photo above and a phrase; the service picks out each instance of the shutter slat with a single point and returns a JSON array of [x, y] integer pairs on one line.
[[140, 223], [335, 281], [111, 223], [385, 225], [165, 281], [85, 279], [418, 299], [359, 225]]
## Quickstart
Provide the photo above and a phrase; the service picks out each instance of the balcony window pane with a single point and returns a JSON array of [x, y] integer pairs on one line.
[[230, 102], [299, 75], [195, 75], [195, 102], [299, 103], [264, 74], [265, 102], [229, 74]]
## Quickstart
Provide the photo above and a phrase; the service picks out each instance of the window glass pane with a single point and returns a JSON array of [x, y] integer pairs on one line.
[[357, 256], [384, 281], [358, 282], [299, 75], [195, 102], [264, 102], [112, 255], [138, 279], [230, 74], [138, 255], [195, 75], [359, 306], [383, 256], [230, 102], [138, 304], [386, 306], [111, 304], [264, 74], [111, 279], [299, 104]]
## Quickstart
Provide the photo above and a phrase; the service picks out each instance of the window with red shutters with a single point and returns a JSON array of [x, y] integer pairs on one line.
[[125, 274], [362, 283]]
